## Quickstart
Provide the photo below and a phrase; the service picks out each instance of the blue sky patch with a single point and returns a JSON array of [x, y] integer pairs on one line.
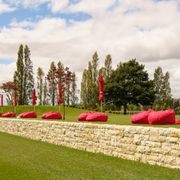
[[34, 15], [6, 61]]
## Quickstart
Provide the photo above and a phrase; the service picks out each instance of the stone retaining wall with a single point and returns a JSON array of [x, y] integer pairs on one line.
[[145, 144]]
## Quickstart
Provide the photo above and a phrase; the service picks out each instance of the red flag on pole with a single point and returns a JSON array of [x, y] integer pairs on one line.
[[59, 100], [34, 97], [1, 100], [15, 99], [101, 88]]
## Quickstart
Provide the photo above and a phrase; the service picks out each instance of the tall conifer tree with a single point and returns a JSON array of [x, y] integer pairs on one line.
[[163, 98], [19, 75], [74, 97], [52, 83], [89, 85], [108, 66], [28, 75], [40, 75]]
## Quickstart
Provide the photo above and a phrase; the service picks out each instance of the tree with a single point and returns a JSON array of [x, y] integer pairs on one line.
[[60, 72], [40, 75], [67, 85], [102, 72], [52, 83], [108, 66], [45, 92], [28, 76], [19, 76], [167, 97], [162, 89], [74, 97], [106, 70], [84, 88], [23, 76], [129, 84], [94, 67], [89, 84], [9, 88]]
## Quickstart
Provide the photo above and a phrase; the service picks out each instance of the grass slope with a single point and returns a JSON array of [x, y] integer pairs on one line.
[[72, 113], [22, 159]]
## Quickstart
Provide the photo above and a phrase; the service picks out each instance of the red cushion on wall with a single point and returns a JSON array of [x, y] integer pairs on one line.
[[8, 114], [162, 117], [30, 114], [177, 121], [0, 114], [141, 118], [83, 116], [44, 115], [97, 116], [52, 115]]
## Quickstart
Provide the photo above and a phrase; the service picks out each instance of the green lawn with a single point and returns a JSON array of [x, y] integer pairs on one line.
[[24, 159], [72, 113]]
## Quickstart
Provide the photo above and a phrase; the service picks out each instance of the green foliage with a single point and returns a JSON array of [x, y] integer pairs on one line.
[[9, 89], [74, 98], [163, 98], [58, 75], [108, 66], [129, 84], [19, 76], [60, 72], [40, 75], [107, 69], [89, 84], [28, 76], [52, 83], [23, 76], [67, 85], [45, 92]]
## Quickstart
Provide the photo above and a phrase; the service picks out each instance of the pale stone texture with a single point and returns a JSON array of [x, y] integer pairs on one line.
[[159, 146]]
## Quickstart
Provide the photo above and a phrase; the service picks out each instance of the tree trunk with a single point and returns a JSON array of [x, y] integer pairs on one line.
[[125, 108]]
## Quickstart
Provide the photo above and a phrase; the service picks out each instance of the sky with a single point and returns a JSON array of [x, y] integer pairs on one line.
[[70, 31]]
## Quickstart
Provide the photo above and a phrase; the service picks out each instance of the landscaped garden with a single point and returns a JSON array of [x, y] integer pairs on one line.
[[22, 158]]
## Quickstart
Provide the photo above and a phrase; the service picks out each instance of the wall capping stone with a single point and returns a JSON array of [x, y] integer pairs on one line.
[[153, 145]]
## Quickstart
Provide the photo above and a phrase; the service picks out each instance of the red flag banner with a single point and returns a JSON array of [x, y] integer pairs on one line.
[[60, 100], [101, 88]]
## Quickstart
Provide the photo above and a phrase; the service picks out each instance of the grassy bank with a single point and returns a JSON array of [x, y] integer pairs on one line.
[[27, 159], [72, 113]]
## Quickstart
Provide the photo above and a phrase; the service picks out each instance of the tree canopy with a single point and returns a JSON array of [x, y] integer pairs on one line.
[[129, 84]]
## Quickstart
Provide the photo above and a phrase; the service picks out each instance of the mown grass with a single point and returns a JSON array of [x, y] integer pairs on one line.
[[72, 113], [23, 159]]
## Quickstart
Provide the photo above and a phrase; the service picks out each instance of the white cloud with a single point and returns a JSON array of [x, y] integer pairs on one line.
[[27, 3], [146, 30], [22, 24], [58, 5], [4, 8], [89, 6]]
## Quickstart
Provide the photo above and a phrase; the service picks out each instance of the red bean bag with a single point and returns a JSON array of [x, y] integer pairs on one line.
[[9, 114], [162, 117], [177, 121], [97, 116], [44, 115], [141, 118], [83, 116], [51, 115], [30, 114]]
